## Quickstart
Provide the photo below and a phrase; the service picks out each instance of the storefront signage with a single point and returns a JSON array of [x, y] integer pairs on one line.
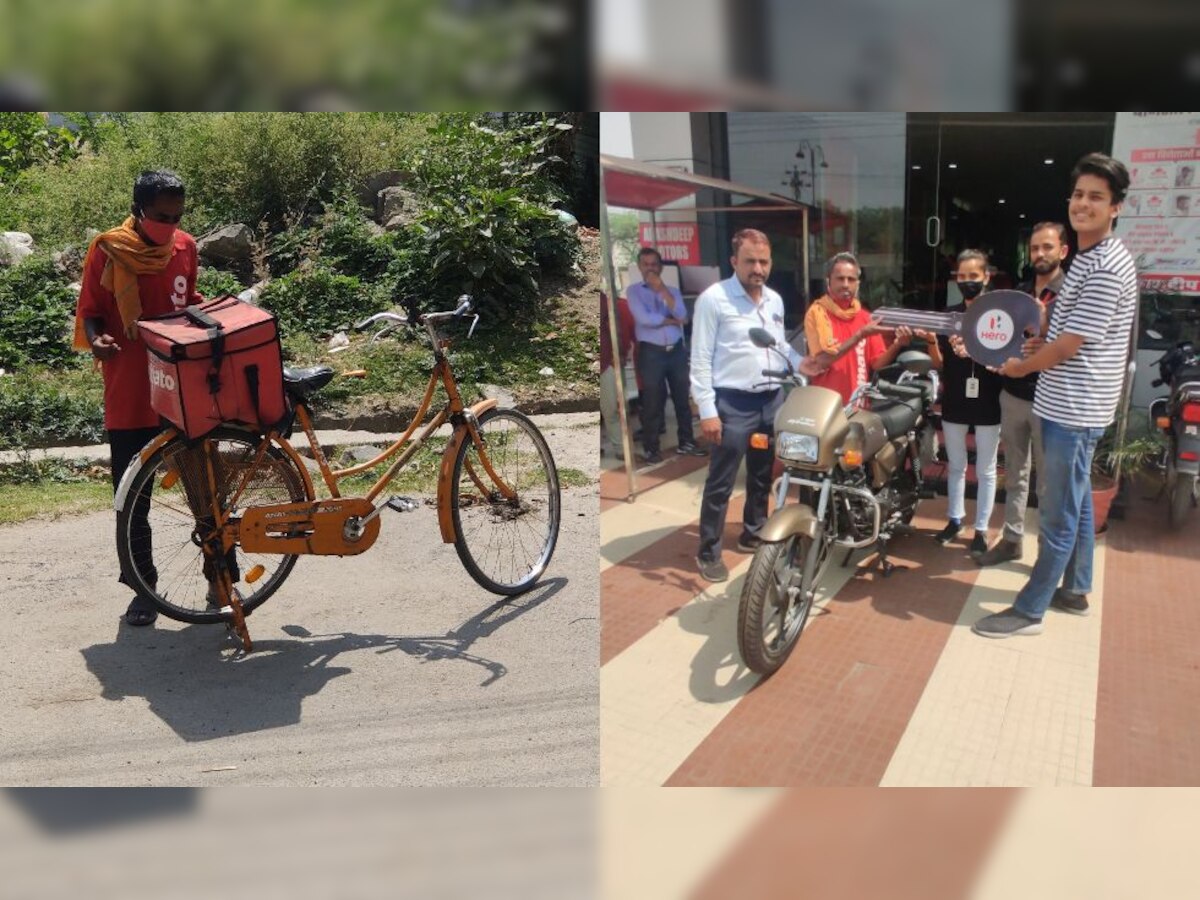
[[1160, 221]]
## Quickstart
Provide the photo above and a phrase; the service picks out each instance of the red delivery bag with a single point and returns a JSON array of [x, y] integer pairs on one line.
[[219, 361]]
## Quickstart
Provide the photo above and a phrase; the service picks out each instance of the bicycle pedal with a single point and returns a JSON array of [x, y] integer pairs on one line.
[[403, 504]]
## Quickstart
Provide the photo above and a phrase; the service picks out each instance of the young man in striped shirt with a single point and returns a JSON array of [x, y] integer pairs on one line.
[[1083, 365]]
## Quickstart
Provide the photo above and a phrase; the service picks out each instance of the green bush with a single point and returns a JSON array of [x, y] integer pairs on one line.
[[35, 306], [238, 167], [349, 245], [489, 227], [44, 405], [320, 301], [214, 282]]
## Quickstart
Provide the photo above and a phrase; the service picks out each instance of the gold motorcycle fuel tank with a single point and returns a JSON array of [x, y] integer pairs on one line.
[[816, 411]]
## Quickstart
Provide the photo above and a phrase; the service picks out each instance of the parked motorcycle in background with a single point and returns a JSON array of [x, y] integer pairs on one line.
[[1178, 415], [859, 475]]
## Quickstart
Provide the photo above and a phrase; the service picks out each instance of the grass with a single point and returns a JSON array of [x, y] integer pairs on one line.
[[51, 500]]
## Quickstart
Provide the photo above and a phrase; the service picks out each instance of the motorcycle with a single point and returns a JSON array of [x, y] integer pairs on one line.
[[858, 475], [1178, 415]]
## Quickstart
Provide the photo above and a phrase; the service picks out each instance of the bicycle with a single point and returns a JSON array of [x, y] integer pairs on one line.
[[229, 514]]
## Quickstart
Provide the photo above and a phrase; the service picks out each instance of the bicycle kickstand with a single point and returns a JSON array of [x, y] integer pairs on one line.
[[230, 597]]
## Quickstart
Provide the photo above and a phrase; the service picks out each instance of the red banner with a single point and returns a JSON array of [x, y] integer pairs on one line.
[[678, 242]]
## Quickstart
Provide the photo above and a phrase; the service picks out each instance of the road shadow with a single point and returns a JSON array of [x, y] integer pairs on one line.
[[204, 693]]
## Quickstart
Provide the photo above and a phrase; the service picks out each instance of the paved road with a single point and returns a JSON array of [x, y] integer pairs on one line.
[[389, 668]]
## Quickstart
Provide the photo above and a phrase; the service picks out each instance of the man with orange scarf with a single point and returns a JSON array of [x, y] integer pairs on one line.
[[838, 321], [145, 267]]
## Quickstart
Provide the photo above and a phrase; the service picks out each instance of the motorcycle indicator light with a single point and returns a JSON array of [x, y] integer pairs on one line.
[[1190, 412], [1163, 421], [852, 458], [760, 441]]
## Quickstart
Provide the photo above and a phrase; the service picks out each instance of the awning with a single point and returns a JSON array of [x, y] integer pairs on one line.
[[639, 185]]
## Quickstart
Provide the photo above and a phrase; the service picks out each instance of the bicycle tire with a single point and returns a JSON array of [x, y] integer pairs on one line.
[[485, 525], [179, 589]]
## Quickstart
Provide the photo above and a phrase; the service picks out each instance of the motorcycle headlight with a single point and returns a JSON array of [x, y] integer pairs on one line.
[[798, 447]]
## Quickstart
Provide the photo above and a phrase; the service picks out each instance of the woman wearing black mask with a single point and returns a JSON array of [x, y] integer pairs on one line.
[[971, 398]]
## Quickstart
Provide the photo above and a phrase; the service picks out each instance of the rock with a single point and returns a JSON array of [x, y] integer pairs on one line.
[[228, 248], [369, 192], [70, 261], [396, 203], [339, 341], [546, 371], [499, 394], [362, 454], [14, 247]]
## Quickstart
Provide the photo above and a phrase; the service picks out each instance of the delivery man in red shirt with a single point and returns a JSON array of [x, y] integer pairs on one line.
[[145, 267]]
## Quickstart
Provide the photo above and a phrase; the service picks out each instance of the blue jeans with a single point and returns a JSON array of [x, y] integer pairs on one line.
[[1068, 530]]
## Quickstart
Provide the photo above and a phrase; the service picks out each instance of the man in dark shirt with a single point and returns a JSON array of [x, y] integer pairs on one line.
[[1019, 428]]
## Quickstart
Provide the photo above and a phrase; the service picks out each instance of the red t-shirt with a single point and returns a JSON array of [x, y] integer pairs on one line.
[[854, 368], [126, 382]]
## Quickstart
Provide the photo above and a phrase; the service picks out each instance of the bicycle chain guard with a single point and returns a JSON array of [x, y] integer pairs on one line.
[[318, 528]]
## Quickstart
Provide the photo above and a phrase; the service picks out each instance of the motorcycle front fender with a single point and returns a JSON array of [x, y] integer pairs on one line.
[[795, 519]]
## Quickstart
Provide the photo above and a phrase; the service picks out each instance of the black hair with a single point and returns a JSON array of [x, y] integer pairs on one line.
[[1057, 226], [150, 184], [650, 251], [1111, 170]]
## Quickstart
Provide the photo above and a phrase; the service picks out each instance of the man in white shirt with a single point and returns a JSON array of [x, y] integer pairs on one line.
[[734, 398]]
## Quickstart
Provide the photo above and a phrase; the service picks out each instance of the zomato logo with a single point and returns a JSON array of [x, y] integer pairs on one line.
[[995, 330], [161, 379]]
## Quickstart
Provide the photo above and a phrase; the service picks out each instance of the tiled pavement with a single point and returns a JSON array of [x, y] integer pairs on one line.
[[888, 686]]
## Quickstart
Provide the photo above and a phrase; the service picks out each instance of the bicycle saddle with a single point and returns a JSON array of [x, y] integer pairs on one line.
[[303, 383]]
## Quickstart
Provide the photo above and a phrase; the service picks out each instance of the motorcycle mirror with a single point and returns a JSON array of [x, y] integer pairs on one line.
[[915, 361], [1151, 333], [761, 337]]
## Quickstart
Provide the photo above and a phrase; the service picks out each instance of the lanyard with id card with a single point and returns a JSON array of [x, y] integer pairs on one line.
[[972, 392]]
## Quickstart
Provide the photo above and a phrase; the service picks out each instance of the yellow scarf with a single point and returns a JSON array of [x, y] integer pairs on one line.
[[128, 257], [831, 305]]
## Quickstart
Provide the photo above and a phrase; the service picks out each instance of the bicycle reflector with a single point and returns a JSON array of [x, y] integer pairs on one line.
[[760, 441], [1190, 412]]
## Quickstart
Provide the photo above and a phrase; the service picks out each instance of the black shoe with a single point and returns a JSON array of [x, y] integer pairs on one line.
[[651, 457], [140, 614], [1065, 601], [1006, 624], [712, 570], [689, 449], [1004, 551], [947, 534], [978, 545], [748, 543]]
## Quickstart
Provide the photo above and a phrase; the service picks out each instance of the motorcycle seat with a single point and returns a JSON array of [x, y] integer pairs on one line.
[[898, 416], [1186, 374]]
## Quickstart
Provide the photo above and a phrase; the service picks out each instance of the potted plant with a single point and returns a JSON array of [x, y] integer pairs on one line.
[[1112, 464]]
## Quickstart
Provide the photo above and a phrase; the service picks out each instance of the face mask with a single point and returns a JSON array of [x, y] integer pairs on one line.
[[970, 289], [159, 232]]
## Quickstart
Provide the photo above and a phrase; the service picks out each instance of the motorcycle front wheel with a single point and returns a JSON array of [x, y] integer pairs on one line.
[[768, 626]]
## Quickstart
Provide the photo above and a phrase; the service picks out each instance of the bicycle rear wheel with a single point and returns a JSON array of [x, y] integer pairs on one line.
[[161, 522], [506, 543]]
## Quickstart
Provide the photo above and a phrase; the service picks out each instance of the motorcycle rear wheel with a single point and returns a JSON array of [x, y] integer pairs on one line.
[[767, 630], [1183, 489]]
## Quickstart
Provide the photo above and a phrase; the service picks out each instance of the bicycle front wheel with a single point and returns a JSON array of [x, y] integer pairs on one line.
[[160, 526], [505, 542]]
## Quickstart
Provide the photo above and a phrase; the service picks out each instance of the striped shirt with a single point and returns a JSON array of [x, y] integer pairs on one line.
[[1098, 302]]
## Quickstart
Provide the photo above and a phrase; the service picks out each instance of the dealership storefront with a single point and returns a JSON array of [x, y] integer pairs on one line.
[[907, 192]]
